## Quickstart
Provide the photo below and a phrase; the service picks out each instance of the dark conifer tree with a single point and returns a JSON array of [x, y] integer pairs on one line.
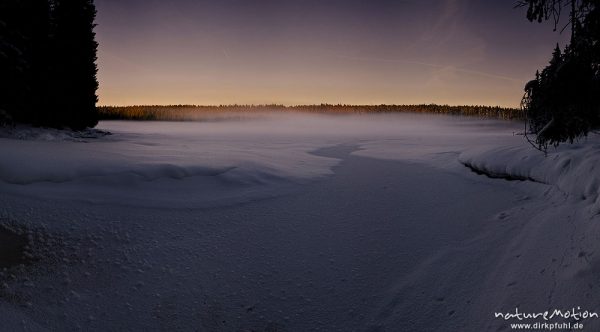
[[38, 29], [14, 64], [48, 62], [563, 102], [73, 64]]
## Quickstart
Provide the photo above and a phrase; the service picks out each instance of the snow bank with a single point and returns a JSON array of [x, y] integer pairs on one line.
[[198, 164], [571, 168], [23, 132]]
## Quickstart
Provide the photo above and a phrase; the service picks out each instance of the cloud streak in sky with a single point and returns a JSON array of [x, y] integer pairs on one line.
[[432, 65]]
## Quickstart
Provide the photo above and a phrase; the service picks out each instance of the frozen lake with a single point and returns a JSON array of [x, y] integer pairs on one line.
[[277, 223]]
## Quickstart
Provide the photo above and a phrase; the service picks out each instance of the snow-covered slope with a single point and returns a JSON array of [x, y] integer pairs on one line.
[[294, 224], [572, 168]]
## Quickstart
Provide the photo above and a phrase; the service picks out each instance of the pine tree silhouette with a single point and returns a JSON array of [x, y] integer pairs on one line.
[[48, 62], [38, 23], [14, 64], [562, 104], [73, 64]]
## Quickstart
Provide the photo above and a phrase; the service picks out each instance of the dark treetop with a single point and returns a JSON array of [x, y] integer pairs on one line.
[[48, 62]]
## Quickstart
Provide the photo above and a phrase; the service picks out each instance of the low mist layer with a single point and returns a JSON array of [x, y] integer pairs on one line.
[[227, 112]]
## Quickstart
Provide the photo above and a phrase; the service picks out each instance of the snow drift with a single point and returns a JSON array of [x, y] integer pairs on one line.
[[571, 168]]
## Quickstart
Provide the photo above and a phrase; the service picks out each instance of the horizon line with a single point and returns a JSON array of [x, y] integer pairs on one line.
[[301, 105]]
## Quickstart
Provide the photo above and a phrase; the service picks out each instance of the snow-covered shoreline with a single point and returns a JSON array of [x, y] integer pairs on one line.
[[572, 168], [30, 133], [297, 224]]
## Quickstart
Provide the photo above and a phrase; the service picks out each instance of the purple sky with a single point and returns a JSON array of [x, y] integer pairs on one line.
[[318, 51]]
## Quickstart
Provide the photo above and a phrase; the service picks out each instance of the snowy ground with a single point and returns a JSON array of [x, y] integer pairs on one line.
[[296, 223]]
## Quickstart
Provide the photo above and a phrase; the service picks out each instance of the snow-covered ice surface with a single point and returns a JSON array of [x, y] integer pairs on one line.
[[296, 223]]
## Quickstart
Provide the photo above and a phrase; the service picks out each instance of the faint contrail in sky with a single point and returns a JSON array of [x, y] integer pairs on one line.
[[432, 65], [225, 54]]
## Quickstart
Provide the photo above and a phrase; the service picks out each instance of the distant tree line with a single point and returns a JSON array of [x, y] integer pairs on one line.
[[48, 63], [562, 103], [195, 112]]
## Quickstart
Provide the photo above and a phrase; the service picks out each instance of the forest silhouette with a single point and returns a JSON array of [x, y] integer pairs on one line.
[[199, 112], [562, 103], [48, 63]]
